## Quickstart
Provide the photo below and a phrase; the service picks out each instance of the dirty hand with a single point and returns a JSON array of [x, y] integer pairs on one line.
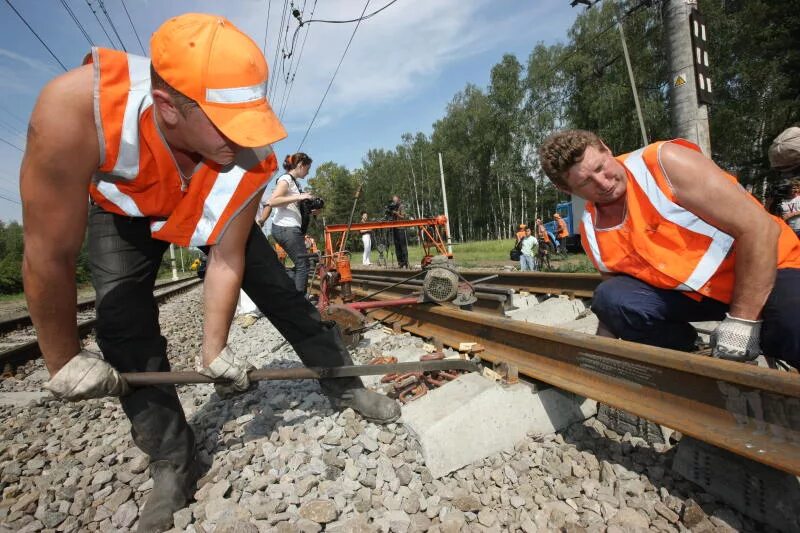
[[736, 339], [228, 365], [87, 375]]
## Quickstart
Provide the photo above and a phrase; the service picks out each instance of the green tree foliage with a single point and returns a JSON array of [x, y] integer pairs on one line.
[[488, 136]]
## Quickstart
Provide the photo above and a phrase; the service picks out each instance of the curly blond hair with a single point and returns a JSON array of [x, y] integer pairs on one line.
[[563, 149]]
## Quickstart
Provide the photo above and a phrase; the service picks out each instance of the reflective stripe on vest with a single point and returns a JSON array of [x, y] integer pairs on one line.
[[714, 255], [118, 198]]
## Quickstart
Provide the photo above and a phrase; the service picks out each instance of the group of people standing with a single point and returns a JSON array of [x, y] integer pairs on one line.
[[534, 248]]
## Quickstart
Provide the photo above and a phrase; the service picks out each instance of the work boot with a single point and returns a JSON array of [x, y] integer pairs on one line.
[[173, 487], [369, 404]]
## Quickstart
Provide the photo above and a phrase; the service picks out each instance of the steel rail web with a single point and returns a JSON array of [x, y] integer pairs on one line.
[[580, 285], [748, 410]]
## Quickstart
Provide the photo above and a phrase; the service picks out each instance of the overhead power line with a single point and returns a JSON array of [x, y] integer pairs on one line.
[[77, 22], [335, 72], [12, 145], [136, 33], [111, 22], [91, 7], [36, 34], [272, 79], [266, 29], [296, 14], [297, 65]]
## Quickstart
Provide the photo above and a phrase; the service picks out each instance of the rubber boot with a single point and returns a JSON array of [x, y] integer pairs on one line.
[[173, 487], [328, 349]]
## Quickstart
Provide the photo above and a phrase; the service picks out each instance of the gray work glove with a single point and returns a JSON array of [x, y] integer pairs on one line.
[[736, 339], [228, 365], [85, 376]]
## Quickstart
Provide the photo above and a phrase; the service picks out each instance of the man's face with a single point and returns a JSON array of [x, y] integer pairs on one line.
[[528, 232], [795, 190], [396, 199], [204, 138], [598, 177]]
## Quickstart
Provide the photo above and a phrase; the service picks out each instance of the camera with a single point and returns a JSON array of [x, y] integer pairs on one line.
[[391, 210], [312, 204]]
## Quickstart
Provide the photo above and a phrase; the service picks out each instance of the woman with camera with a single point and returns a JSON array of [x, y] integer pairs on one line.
[[288, 228]]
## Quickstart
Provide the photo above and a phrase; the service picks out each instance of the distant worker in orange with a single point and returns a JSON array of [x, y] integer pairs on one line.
[[542, 235], [521, 232], [281, 253], [311, 244], [561, 232]]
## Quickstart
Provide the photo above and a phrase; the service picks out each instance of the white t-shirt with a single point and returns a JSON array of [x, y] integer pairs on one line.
[[792, 205], [288, 216]]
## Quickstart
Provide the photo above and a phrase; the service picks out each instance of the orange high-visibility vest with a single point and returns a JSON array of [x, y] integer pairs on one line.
[[664, 244], [138, 176], [542, 231], [562, 228]]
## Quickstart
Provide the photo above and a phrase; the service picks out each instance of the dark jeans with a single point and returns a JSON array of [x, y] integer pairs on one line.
[[124, 260], [635, 311], [293, 241], [401, 246]]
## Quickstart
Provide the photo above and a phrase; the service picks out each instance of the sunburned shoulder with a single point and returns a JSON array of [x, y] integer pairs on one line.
[[69, 96]]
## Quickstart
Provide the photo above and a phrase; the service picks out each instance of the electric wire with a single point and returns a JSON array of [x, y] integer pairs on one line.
[[77, 22], [136, 33], [111, 22], [36, 34], [272, 79], [12, 145], [110, 40], [359, 19], [330, 84], [266, 29], [10, 200], [285, 75], [297, 65]]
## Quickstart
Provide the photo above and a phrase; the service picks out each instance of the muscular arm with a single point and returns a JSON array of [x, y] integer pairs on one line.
[[60, 157], [223, 280], [701, 187]]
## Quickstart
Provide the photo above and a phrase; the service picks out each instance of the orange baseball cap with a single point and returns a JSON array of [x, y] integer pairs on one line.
[[209, 60]]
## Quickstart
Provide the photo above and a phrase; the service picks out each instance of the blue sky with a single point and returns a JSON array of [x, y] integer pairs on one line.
[[403, 67]]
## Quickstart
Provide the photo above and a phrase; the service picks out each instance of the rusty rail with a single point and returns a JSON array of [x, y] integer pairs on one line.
[[751, 411], [578, 285]]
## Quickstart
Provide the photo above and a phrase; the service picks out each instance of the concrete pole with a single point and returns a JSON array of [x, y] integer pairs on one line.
[[689, 117], [444, 198], [172, 261], [181, 252], [633, 83]]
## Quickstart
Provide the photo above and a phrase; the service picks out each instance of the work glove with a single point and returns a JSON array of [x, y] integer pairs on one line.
[[85, 376], [736, 339], [228, 365]]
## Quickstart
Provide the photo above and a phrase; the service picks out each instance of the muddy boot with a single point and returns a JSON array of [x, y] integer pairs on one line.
[[173, 487]]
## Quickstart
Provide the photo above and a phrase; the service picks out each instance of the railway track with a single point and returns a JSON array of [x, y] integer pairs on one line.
[[23, 320], [576, 285], [29, 350], [745, 409]]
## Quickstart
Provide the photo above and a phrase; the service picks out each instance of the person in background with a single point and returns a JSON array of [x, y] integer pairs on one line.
[[396, 211], [726, 259], [286, 228], [543, 235], [561, 233], [529, 247], [521, 232], [311, 245], [366, 238], [784, 156]]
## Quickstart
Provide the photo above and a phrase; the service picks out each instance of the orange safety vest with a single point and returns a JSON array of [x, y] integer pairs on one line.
[[542, 231], [138, 176], [664, 244], [562, 228]]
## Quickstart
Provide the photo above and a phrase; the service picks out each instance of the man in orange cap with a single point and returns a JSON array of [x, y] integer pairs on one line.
[[177, 150]]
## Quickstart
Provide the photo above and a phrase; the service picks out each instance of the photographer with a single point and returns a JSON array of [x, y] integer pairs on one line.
[[396, 211], [292, 209], [784, 156]]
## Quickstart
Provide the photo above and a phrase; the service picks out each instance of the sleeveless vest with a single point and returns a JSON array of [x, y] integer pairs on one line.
[[663, 244], [138, 175]]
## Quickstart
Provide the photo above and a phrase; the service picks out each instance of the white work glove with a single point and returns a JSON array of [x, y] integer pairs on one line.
[[87, 375], [228, 365], [736, 339]]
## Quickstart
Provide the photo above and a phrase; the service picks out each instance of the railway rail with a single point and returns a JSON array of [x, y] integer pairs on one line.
[[577, 285], [745, 409], [27, 351], [23, 320]]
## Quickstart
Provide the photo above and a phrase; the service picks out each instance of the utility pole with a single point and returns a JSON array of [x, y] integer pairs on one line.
[[444, 198], [690, 87], [633, 82], [172, 261]]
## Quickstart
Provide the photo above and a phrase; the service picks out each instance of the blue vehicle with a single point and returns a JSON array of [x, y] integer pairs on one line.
[[571, 212]]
